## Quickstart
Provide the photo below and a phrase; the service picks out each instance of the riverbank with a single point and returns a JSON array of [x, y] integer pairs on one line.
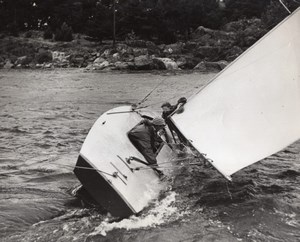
[[206, 50]]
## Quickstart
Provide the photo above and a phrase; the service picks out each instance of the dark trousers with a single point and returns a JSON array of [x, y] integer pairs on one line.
[[144, 148]]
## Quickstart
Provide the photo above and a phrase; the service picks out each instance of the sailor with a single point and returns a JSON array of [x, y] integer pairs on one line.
[[168, 109], [144, 137]]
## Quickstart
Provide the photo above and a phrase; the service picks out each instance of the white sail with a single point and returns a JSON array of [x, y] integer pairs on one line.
[[252, 108]]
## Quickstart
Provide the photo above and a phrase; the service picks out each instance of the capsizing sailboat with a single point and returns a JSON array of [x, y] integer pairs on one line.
[[249, 111]]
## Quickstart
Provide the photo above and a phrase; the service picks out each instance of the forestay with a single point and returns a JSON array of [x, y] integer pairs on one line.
[[252, 108]]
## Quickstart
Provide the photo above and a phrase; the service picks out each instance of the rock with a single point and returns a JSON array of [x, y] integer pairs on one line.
[[189, 46], [100, 66], [139, 51], [242, 24], [43, 57], [77, 61], [8, 65], [173, 48], [59, 57], [143, 62], [48, 65], [115, 57], [168, 51], [166, 63], [139, 43], [181, 62], [222, 64], [121, 65], [106, 53], [23, 60], [209, 52], [250, 40], [128, 57], [200, 66], [190, 62], [233, 53], [99, 60], [89, 67], [123, 49], [211, 66], [202, 31]]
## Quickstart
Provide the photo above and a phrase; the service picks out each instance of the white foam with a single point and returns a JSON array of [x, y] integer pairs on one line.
[[163, 211]]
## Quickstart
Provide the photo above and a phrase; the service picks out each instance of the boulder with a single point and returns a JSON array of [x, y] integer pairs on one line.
[[174, 48], [77, 61], [143, 62], [222, 64], [106, 53], [23, 61], [8, 65], [43, 57], [166, 63], [214, 66], [181, 62], [121, 65], [140, 43], [100, 66], [60, 57], [190, 62], [189, 46], [99, 60], [200, 66], [115, 57], [139, 51], [209, 52], [211, 66], [48, 65], [128, 57], [233, 53]]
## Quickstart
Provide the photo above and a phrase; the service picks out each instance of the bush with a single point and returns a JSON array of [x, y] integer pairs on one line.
[[65, 33], [43, 57], [48, 34], [28, 34]]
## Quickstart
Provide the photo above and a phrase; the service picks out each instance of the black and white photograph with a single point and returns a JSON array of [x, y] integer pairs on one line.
[[149, 120]]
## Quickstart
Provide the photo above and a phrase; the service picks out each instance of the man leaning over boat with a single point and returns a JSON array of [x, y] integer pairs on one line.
[[145, 138]]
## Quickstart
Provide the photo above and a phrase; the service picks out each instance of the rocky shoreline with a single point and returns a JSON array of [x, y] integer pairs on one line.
[[206, 50]]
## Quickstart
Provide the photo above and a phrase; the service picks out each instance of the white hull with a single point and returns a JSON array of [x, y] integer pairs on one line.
[[106, 149]]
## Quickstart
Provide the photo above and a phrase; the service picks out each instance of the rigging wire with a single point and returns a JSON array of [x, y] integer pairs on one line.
[[146, 97], [229, 191], [286, 8], [91, 168]]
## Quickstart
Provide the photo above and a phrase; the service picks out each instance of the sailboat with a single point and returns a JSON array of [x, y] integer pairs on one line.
[[249, 111]]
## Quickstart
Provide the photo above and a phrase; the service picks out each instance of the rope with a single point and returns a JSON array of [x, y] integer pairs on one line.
[[171, 98], [145, 98], [163, 167], [286, 8], [228, 191], [90, 168]]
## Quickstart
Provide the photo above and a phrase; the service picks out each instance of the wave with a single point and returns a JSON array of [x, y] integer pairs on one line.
[[163, 211]]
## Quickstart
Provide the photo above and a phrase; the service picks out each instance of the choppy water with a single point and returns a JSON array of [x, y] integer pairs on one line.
[[45, 116]]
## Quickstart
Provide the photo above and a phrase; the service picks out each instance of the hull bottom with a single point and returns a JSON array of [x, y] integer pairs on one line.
[[100, 189]]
